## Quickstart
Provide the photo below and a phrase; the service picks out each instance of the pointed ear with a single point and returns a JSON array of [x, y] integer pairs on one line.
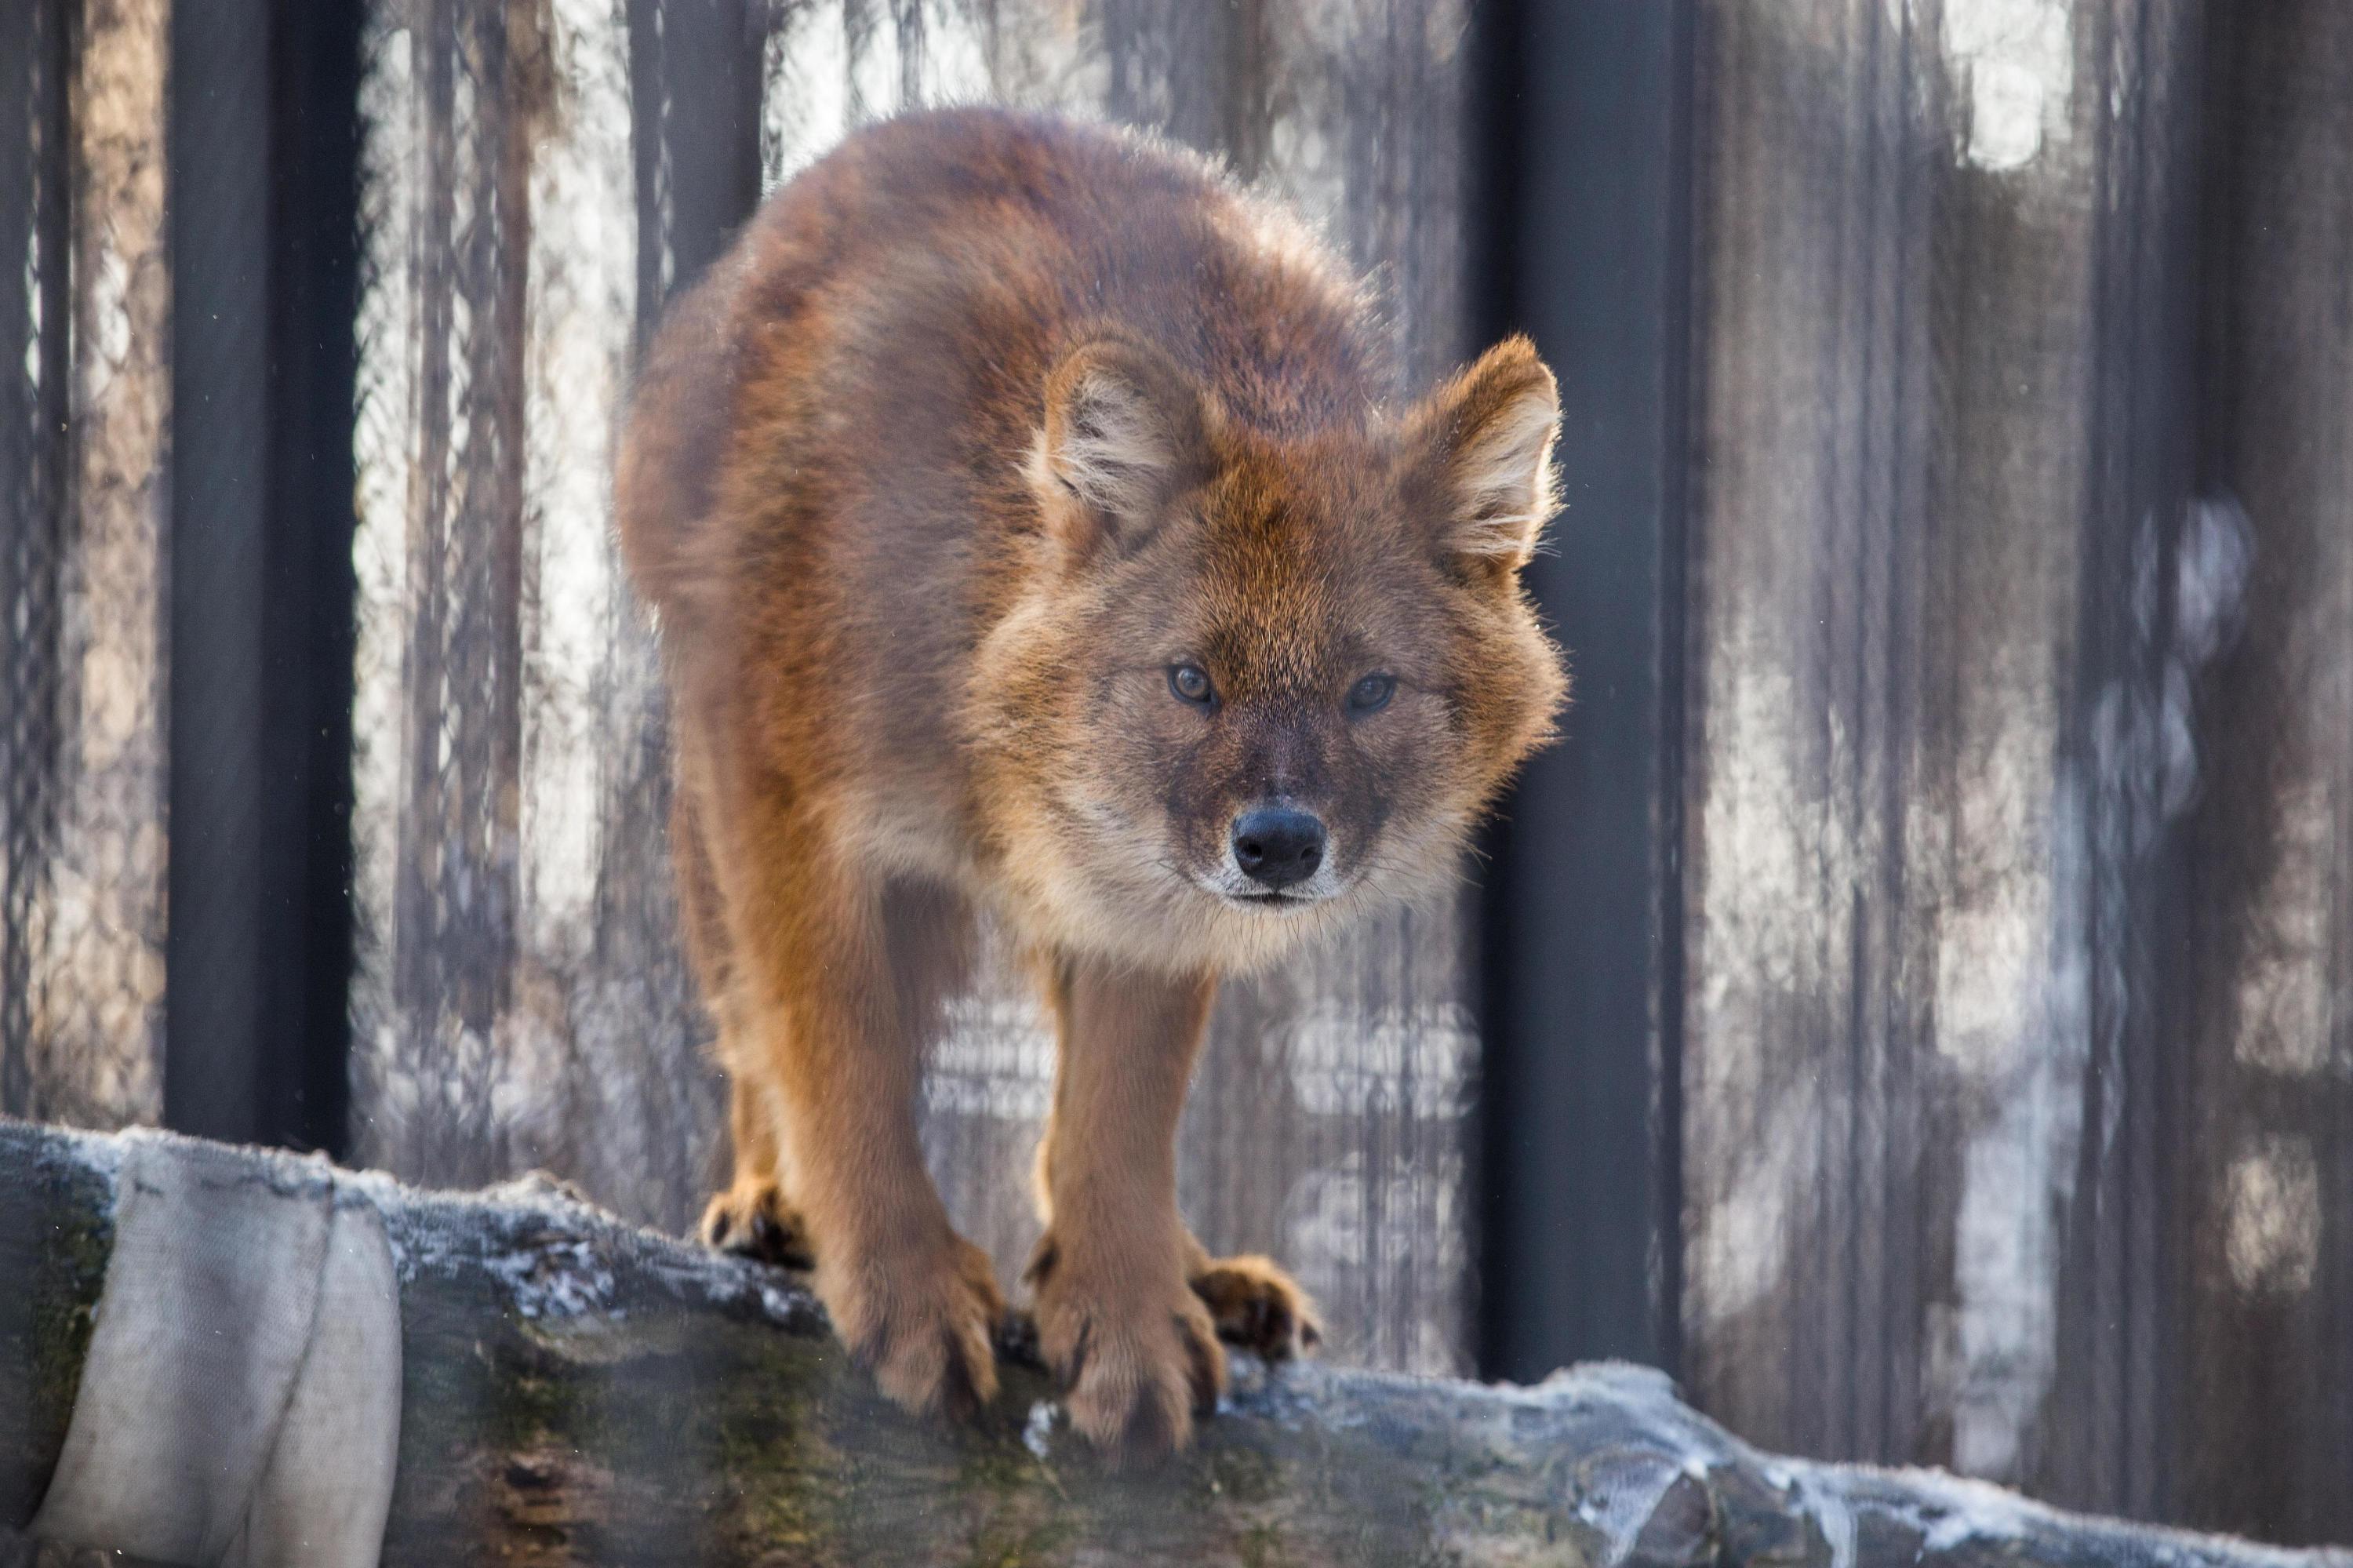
[[1127, 431], [1482, 449]]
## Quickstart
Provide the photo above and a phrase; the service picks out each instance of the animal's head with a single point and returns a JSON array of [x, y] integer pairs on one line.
[[1255, 684]]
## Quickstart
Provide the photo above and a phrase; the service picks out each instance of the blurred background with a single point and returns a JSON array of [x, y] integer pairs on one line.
[[1914, 1004]]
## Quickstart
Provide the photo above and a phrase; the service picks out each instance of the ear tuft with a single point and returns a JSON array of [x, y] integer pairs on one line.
[[1127, 431], [1486, 439]]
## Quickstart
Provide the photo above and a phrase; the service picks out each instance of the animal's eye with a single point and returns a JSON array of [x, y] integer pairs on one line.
[[1191, 683], [1372, 693]]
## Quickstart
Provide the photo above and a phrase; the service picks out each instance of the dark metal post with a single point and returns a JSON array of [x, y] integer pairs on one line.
[[263, 160], [694, 90], [1587, 147], [36, 51], [219, 149]]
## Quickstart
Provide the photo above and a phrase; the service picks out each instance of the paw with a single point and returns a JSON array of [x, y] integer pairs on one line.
[[752, 1220], [1257, 1306], [1137, 1356], [923, 1321]]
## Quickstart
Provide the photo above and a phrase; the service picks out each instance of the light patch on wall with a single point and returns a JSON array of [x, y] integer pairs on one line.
[[390, 334], [827, 68], [581, 295], [2271, 1229], [1354, 1210], [1740, 1241], [2285, 1015], [1761, 892], [804, 91], [2011, 995], [996, 1060], [1344, 1063], [955, 64], [2015, 62]]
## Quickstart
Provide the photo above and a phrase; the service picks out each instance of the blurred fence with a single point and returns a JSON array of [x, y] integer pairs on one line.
[[2017, 1040], [84, 397], [1918, 994]]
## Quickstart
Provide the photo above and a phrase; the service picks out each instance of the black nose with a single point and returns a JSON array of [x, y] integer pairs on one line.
[[1277, 846]]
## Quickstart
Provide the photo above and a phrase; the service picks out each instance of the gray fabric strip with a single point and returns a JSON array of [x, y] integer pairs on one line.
[[241, 1403]]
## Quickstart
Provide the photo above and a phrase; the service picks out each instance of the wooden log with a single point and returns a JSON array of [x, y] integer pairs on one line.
[[579, 1390]]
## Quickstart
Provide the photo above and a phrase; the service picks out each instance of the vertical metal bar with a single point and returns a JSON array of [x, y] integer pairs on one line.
[[261, 165], [2263, 1418], [694, 85], [217, 147], [1587, 189], [311, 592]]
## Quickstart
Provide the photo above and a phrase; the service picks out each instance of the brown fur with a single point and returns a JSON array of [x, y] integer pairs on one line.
[[986, 422]]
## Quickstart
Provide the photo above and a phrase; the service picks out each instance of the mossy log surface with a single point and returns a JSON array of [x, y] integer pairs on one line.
[[580, 1390]]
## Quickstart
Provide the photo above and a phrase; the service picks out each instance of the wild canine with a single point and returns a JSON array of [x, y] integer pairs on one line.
[[1028, 530]]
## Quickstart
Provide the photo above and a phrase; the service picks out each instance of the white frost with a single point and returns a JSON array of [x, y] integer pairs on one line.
[[2272, 1236], [1039, 1430]]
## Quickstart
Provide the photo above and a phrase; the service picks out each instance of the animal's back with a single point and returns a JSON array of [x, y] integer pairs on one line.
[[875, 342]]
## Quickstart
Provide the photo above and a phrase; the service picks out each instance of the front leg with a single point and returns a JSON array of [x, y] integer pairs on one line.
[[1118, 1320], [842, 988]]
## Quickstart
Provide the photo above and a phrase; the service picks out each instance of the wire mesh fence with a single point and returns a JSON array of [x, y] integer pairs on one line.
[[84, 395], [2016, 837]]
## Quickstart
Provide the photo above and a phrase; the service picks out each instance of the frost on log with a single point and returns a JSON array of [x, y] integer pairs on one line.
[[578, 1390]]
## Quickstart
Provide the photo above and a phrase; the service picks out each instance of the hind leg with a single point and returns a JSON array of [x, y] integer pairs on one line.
[[752, 1216]]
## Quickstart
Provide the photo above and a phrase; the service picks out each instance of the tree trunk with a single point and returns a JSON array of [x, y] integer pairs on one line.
[[575, 1389]]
